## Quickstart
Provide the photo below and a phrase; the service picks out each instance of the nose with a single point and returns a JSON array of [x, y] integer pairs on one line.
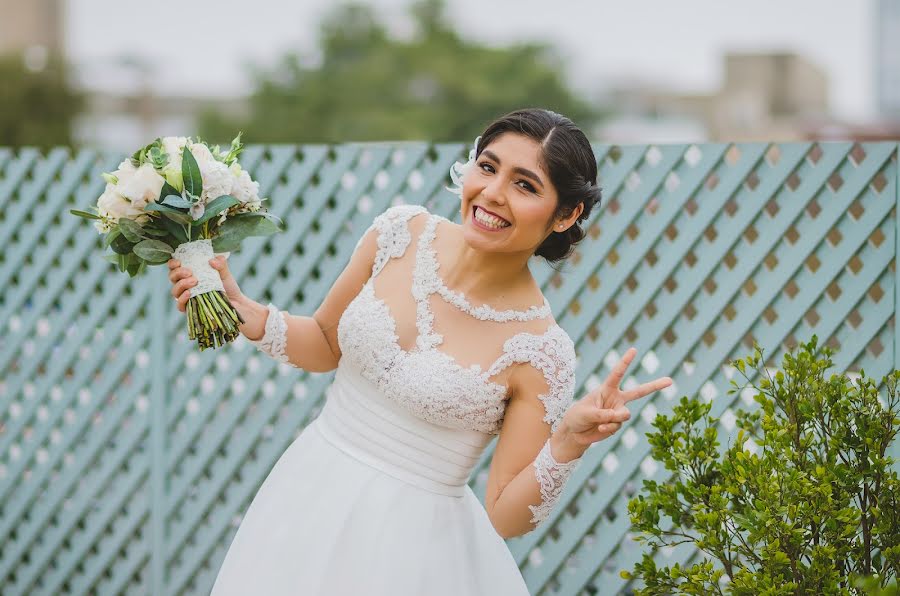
[[495, 191]]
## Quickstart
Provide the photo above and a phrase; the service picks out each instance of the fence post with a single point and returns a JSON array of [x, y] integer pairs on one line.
[[894, 450], [158, 399]]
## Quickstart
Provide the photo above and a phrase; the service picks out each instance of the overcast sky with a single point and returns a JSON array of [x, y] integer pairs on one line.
[[674, 43]]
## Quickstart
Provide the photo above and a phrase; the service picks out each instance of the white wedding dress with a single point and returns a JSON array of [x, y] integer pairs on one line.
[[372, 497]]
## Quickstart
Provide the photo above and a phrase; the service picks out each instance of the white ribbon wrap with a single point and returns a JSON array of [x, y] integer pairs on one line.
[[196, 256]]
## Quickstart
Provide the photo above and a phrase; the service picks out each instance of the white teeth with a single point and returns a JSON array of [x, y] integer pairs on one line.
[[489, 220]]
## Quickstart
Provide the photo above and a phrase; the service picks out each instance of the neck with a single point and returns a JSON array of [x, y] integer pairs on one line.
[[485, 276]]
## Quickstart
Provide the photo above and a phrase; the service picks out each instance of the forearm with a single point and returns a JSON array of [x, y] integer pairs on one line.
[[254, 315], [526, 499], [300, 342]]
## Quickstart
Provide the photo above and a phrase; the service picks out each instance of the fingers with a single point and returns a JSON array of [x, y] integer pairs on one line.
[[178, 273], [183, 285], [182, 300], [612, 416], [647, 388], [618, 372], [173, 264], [609, 429], [220, 264]]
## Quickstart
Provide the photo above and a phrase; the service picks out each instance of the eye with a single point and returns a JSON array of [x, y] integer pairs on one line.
[[527, 186], [484, 164]]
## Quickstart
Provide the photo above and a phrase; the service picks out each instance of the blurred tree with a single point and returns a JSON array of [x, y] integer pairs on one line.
[[37, 104], [369, 86]]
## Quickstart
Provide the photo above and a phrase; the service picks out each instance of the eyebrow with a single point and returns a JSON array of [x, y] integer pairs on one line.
[[518, 170]]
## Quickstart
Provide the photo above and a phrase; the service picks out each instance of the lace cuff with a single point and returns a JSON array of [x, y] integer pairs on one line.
[[552, 476], [274, 340]]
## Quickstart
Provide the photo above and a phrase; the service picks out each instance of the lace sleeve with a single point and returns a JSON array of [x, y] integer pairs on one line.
[[393, 233], [552, 353], [551, 475], [274, 339]]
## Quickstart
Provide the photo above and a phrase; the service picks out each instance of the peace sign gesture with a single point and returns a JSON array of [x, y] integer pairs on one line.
[[600, 413]]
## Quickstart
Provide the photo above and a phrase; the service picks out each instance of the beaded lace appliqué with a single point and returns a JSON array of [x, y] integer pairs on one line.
[[426, 381], [551, 476], [393, 234]]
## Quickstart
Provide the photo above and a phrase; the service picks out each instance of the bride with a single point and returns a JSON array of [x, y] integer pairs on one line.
[[441, 339]]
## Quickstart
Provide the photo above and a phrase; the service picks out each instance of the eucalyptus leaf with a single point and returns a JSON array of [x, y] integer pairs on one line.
[[131, 230], [121, 245], [154, 231], [235, 229], [217, 206], [264, 214], [174, 229], [190, 172], [170, 212], [84, 214], [111, 235], [153, 251], [177, 202]]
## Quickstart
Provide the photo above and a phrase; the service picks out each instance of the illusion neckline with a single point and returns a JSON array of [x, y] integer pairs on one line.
[[484, 312]]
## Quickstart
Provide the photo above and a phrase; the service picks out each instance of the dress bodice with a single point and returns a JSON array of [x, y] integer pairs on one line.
[[427, 382]]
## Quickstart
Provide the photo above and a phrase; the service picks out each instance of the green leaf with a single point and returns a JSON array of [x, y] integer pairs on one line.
[[236, 148], [131, 230], [153, 251], [190, 172], [121, 245], [174, 229], [177, 202], [84, 214], [149, 230], [171, 212], [111, 235], [235, 229], [168, 189], [216, 206]]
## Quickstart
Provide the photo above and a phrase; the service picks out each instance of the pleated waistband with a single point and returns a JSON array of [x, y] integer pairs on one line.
[[365, 424]]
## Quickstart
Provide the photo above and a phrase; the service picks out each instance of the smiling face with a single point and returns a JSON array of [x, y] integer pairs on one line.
[[508, 201]]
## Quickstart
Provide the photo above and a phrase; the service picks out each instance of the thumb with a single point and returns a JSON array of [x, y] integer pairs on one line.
[[220, 264]]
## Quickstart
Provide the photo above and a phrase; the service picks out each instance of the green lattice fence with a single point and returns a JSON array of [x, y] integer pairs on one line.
[[127, 457]]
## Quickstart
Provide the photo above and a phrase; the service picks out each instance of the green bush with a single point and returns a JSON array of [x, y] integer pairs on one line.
[[813, 509]]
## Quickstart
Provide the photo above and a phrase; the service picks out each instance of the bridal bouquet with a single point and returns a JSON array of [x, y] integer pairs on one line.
[[183, 199]]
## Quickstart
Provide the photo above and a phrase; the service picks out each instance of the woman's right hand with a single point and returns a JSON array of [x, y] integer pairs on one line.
[[183, 279]]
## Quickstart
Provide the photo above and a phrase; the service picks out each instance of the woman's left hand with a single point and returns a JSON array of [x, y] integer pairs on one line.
[[601, 412]]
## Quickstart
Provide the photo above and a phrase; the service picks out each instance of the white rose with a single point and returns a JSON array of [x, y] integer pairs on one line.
[[125, 170], [202, 154], [244, 188], [114, 206], [217, 180], [143, 186]]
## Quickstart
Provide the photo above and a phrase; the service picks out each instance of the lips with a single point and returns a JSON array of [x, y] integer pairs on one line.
[[476, 207]]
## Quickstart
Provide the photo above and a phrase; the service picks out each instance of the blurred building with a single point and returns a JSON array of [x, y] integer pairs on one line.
[[765, 96], [31, 23], [887, 58]]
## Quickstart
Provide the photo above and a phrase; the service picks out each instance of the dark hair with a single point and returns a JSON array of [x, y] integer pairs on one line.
[[568, 159]]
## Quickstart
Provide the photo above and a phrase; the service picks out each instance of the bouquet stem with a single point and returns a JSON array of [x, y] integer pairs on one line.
[[211, 319]]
